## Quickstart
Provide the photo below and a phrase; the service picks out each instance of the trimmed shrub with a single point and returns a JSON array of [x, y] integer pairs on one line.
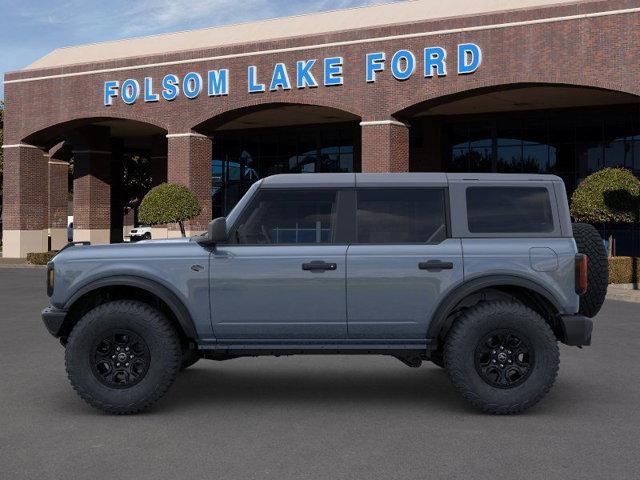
[[40, 258], [621, 270], [609, 195], [169, 203]]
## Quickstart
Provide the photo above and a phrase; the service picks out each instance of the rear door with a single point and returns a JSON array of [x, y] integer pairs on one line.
[[401, 262]]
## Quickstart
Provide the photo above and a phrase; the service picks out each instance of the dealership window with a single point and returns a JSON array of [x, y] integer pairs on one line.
[[401, 216], [277, 217], [570, 143], [509, 210], [243, 156]]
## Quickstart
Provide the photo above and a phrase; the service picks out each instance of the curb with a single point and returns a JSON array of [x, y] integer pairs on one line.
[[622, 296], [20, 265]]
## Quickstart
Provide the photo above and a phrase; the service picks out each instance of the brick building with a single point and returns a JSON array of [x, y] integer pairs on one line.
[[543, 86]]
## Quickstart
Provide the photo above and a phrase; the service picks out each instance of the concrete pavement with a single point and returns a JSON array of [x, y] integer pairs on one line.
[[346, 417]]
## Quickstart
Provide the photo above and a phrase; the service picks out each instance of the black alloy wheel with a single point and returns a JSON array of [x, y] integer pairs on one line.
[[504, 358], [120, 359]]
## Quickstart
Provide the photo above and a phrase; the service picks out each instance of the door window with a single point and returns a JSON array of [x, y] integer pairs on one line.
[[401, 216], [277, 217]]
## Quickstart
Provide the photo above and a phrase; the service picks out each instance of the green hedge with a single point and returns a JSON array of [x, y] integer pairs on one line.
[[621, 270], [609, 195], [40, 258]]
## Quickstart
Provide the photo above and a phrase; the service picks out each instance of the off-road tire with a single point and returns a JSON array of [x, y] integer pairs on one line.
[[147, 323], [589, 242], [469, 331], [190, 356]]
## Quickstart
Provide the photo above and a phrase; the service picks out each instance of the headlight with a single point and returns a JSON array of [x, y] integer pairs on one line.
[[51, 278]]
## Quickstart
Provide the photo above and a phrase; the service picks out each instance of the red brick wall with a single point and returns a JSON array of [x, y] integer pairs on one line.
[[58, 188], [92, 190], [25, 189], [189, 164], [599, 52], [385, 148]]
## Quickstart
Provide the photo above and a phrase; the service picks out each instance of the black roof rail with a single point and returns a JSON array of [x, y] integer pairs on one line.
[[73, 244]]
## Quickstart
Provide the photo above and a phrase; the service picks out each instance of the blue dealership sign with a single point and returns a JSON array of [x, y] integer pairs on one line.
[[308, 73]]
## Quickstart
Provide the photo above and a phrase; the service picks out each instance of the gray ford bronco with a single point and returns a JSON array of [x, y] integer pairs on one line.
[[482, 274]]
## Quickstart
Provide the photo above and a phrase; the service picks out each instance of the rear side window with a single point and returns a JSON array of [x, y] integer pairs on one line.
[[401, 216], [509, 210]]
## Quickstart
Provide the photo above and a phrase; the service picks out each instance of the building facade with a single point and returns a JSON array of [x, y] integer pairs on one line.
[[548, 86]]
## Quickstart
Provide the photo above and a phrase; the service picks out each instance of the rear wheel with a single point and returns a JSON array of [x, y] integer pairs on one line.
[[502, 357], [589, 242], [122, 356]]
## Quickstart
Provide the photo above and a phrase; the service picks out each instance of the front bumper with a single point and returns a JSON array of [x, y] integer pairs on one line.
[[576, 330], [53, 319]]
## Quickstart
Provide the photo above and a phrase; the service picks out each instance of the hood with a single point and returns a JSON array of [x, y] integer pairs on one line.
[[122, 250]]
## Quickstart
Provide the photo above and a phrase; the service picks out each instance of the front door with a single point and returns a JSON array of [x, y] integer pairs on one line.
[[282, 276], [401, 263]]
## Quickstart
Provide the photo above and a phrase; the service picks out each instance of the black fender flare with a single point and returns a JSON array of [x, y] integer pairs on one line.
[[176, 306], [467, 288]]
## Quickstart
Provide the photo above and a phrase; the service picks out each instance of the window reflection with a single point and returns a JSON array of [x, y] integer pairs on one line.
[[571, 143], [242, 157]]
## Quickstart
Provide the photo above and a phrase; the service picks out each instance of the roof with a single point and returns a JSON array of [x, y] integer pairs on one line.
[[411, 179], [279, 28]]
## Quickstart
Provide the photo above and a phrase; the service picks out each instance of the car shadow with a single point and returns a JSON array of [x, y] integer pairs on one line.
[[213, 384]]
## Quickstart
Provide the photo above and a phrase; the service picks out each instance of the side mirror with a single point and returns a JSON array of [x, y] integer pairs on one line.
[[217, 230]]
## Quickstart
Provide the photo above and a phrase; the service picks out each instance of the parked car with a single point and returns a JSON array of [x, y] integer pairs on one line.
[[140, 233], [481, 274]]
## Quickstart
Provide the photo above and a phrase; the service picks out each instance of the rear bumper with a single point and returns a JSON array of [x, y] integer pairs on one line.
[[576, 330], [53, 319]]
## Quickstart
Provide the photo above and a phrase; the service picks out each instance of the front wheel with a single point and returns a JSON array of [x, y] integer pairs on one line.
[[502, 357], [122, 356]]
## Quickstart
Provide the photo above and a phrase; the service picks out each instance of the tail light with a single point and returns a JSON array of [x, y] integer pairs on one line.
[[582, 262], [51, 278]]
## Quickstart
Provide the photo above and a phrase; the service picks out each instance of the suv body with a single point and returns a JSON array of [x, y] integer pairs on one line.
[[344, 263]]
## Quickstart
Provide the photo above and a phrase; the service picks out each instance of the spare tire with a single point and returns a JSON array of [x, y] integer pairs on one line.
[[590, 243]]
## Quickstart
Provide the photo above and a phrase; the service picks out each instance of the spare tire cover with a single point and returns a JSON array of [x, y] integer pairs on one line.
[[590, 243]]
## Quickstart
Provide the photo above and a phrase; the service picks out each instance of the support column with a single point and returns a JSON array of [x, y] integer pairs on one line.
[[92, 186], [59, 157], [58, 190], [158, 160], [159, 175], [25, 200], [385, 146], [189, 164]]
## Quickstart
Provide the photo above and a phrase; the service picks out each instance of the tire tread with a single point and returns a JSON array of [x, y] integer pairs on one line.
[[455, 369], [164, 329]]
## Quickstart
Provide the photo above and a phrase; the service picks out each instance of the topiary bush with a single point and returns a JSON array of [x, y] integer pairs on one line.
[[609, 195], [169, 203]]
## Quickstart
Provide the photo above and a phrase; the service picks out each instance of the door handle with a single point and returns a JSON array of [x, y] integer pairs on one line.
[[435, 265], [319, 266]]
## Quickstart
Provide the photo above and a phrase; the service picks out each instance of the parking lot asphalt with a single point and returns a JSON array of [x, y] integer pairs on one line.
[[315, 417]]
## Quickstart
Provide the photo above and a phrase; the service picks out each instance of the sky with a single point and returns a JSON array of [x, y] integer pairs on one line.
[[29, 29]]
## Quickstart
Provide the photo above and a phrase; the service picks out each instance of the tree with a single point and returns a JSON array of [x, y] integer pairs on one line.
[[169, 203], [136, 181], [611, 195]]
